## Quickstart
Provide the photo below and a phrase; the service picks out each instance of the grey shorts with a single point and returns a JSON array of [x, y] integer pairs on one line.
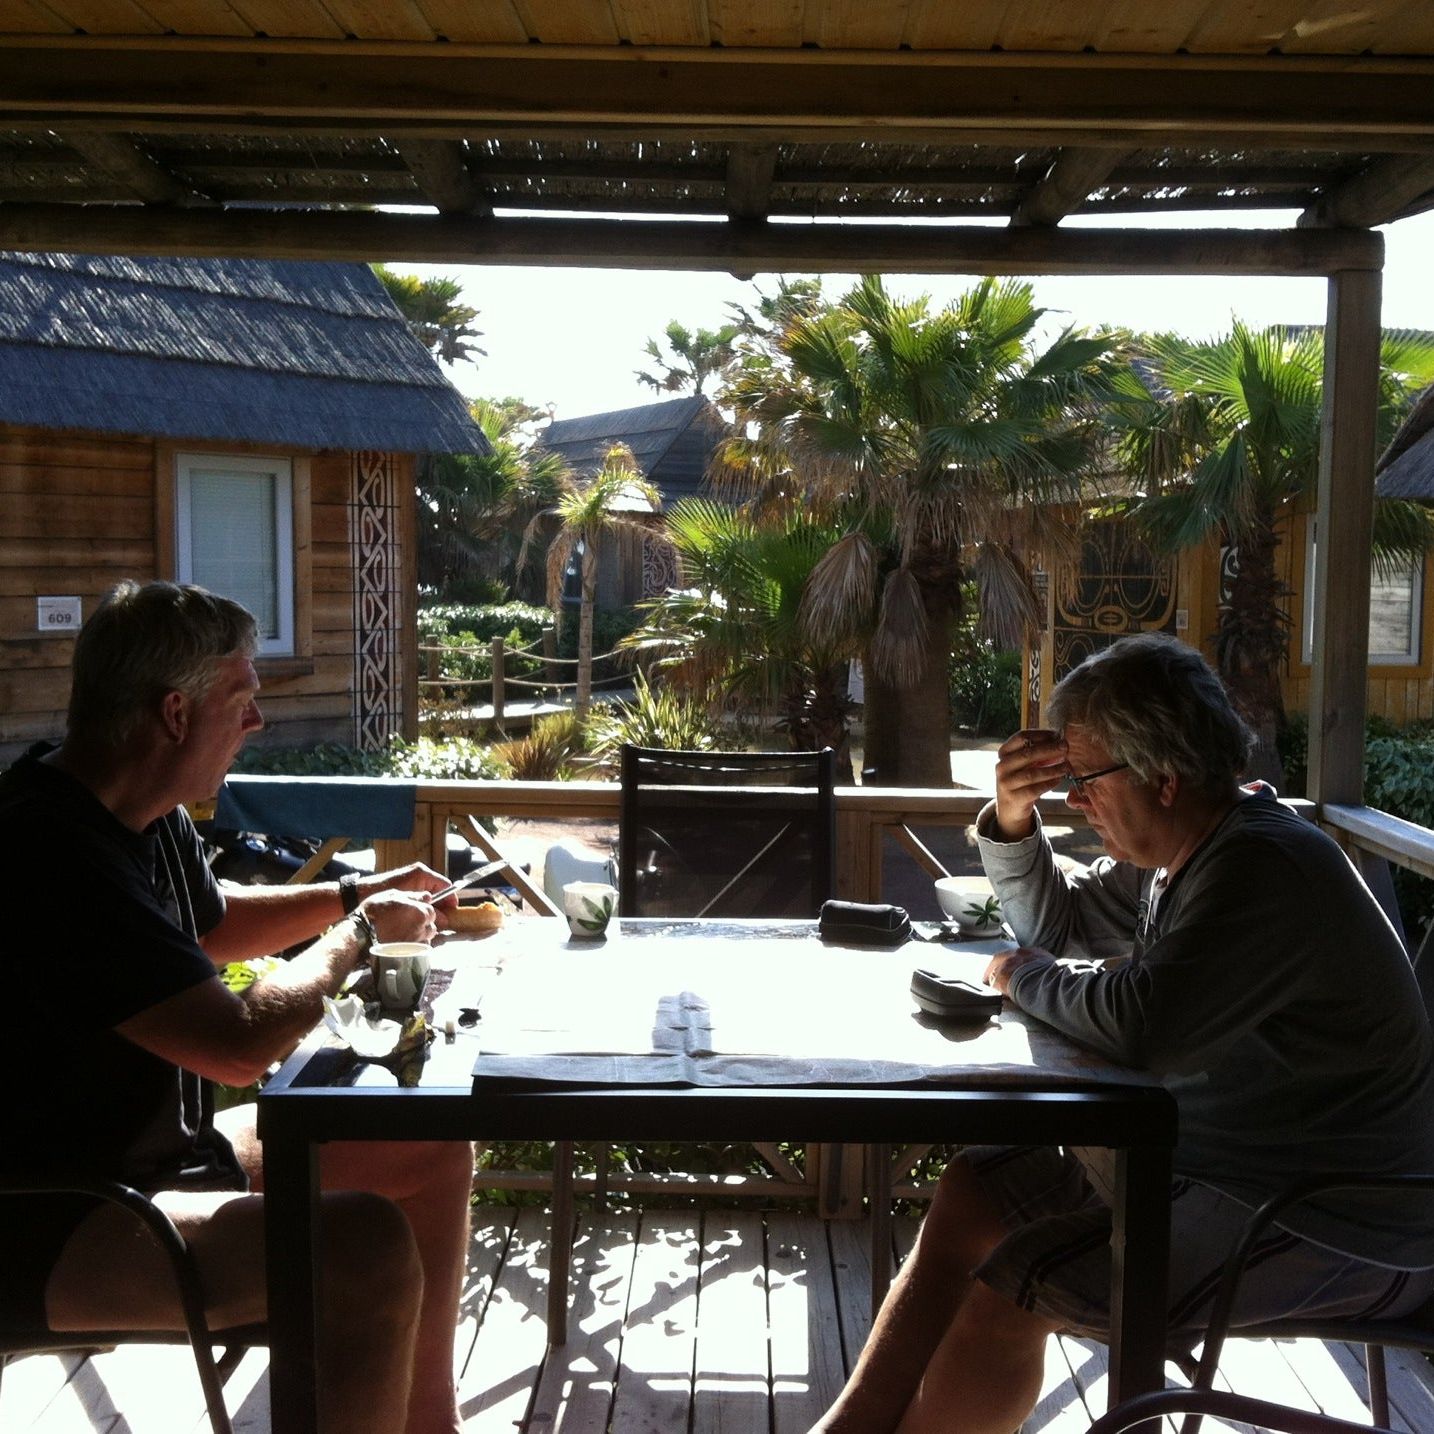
[[1056, 1260]]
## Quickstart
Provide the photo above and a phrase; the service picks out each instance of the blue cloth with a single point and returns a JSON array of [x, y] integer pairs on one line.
[[318, 807]]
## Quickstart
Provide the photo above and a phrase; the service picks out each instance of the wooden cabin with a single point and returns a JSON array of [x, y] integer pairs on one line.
[[250, 425], [673, 444], [1118, 586]]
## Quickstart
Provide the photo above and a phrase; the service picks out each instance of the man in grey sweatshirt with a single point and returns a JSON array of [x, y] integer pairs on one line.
[[1223, 943]]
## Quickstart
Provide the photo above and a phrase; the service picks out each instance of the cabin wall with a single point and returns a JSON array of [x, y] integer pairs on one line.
[[80, 512]]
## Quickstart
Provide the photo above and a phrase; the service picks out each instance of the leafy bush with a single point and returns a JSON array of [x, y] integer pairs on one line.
[[440, 620], [426, 760], [986, 691], [656, 717], [1398, 779], [544, 754]]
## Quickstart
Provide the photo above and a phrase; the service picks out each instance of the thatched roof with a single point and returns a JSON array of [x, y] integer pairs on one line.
[[671, 441], [1406, 468], [308, 355]]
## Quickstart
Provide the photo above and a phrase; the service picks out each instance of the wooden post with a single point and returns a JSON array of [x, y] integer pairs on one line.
[[1339, 674], [496, 647], [550, 654]]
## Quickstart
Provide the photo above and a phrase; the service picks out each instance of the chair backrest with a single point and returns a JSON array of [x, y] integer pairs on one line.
[[726, 833]]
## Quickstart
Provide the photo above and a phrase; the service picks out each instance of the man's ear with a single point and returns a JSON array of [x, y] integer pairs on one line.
[[174, 713], [1169, 788]]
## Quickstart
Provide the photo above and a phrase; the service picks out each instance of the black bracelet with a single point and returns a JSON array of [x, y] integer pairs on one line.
[[349, 892]]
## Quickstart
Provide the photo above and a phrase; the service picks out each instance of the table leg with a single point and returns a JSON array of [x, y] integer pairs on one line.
[[561, 1233], [878, 1183], [291, 1183], [1140, 1254]]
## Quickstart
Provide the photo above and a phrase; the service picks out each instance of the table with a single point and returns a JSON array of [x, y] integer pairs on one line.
[[835, 1051]]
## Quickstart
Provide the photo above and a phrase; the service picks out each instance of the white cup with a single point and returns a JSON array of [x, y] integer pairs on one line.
[[589, 906], [399, 969]]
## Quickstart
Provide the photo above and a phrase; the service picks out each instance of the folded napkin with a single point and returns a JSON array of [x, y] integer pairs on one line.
[[857, 923]]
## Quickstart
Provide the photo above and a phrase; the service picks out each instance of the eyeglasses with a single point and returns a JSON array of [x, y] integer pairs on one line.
[[1079, 784]]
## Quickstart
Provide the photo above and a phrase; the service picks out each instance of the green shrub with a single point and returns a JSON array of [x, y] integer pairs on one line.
[[426, 760], [545, 753], [439, 620], [656, 717], [986, 691]]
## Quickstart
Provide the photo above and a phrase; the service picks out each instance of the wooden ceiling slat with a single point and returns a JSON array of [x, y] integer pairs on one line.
[[662, 22], [1342, 28], [290, 19], [1137, 27], [568, 22], [106, 17], [27, 17], [762, 23], [940, 25], [380, 19], [482, 22], [858, 24], [1039, 25], [196, 17], [1246, 26]]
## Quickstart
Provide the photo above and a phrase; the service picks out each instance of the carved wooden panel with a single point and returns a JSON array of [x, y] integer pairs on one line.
[[378, 607]]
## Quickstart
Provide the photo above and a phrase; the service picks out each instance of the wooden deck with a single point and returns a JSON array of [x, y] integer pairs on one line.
[[684, 1322]]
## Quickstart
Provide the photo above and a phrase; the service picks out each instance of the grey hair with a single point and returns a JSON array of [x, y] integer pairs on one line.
[[1155, 703], [145, 640]]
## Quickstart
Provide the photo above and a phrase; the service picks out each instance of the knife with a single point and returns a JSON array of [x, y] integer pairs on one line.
[[475, 875]]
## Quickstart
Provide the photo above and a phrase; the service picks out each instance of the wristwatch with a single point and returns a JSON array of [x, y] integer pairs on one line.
[[349, 892]]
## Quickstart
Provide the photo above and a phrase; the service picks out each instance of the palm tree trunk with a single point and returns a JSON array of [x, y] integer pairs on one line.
[[924, 736], [1251, 645], [585, 628], [881, 726]]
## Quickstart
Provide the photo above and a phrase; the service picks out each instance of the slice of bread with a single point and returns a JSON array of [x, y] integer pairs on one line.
[[483, 916]]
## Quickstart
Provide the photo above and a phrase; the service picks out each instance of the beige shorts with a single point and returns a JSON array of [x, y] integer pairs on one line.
[[1056, 1261]]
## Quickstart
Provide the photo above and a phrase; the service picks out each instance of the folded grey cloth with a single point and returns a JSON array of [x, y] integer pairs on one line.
[[857, 923]]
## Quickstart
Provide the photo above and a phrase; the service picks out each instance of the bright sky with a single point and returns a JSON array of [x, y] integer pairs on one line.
[[574, 337]]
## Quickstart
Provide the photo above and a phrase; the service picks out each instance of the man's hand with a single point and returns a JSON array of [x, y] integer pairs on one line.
[[397, 915], [414, 877], [1028, 765], [1004, 966]]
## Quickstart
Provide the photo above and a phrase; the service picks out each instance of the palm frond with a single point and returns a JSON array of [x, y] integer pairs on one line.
[[902, 638]]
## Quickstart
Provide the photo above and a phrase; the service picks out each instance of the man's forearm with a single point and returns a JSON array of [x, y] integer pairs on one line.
[[262, 920]]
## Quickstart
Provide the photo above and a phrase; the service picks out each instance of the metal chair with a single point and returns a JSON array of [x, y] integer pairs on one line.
[[196, 1332], [1234, 1407], [717, 834]]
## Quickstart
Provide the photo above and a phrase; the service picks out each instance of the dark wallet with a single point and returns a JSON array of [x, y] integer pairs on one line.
[[857, 923]]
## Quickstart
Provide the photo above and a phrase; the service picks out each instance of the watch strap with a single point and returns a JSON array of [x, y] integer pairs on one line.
[[349, 892]]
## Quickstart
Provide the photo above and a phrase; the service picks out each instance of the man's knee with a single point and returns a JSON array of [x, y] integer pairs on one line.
[[371, 1258], [1000, 1319], [963, 1220]]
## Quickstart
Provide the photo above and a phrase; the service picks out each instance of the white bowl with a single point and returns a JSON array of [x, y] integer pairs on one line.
[[962, 899]]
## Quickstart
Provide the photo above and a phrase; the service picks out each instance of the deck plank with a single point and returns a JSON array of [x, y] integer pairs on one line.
[[654, 1393], [496, 1388], [805, 1329], [730, 1391], [576, 1391]]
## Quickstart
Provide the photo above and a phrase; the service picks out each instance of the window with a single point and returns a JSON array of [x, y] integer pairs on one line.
[[234, 534], [1396, 601]]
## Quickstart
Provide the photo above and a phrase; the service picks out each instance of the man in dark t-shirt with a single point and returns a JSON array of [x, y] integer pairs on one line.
[[115, 932]]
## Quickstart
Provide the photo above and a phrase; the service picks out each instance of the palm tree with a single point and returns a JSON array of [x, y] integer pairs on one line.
[[734, 626], [617, 499], [473, 508], [1224, 448], [695, 357], [934, 439], [442, 324]]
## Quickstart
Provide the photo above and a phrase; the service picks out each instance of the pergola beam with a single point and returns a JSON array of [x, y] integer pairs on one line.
[[133, 82], [1075, 173], [131, 168], [1376, 195], [742, 247], [441, 171], [750, 168]]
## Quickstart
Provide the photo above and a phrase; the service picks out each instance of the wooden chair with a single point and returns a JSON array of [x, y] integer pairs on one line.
[[1240, 1408], [716, 834], [196, 1332]]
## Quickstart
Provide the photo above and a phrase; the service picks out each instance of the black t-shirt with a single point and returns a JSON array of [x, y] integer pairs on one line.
[[100, 923]]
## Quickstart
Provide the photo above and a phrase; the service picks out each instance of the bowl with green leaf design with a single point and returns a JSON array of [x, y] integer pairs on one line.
[[971, 904]]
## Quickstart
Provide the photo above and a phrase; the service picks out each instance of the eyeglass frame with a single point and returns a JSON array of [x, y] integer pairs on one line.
[[1079, 783]]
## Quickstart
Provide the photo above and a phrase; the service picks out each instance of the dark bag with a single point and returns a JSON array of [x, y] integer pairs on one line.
[[856, 923]]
